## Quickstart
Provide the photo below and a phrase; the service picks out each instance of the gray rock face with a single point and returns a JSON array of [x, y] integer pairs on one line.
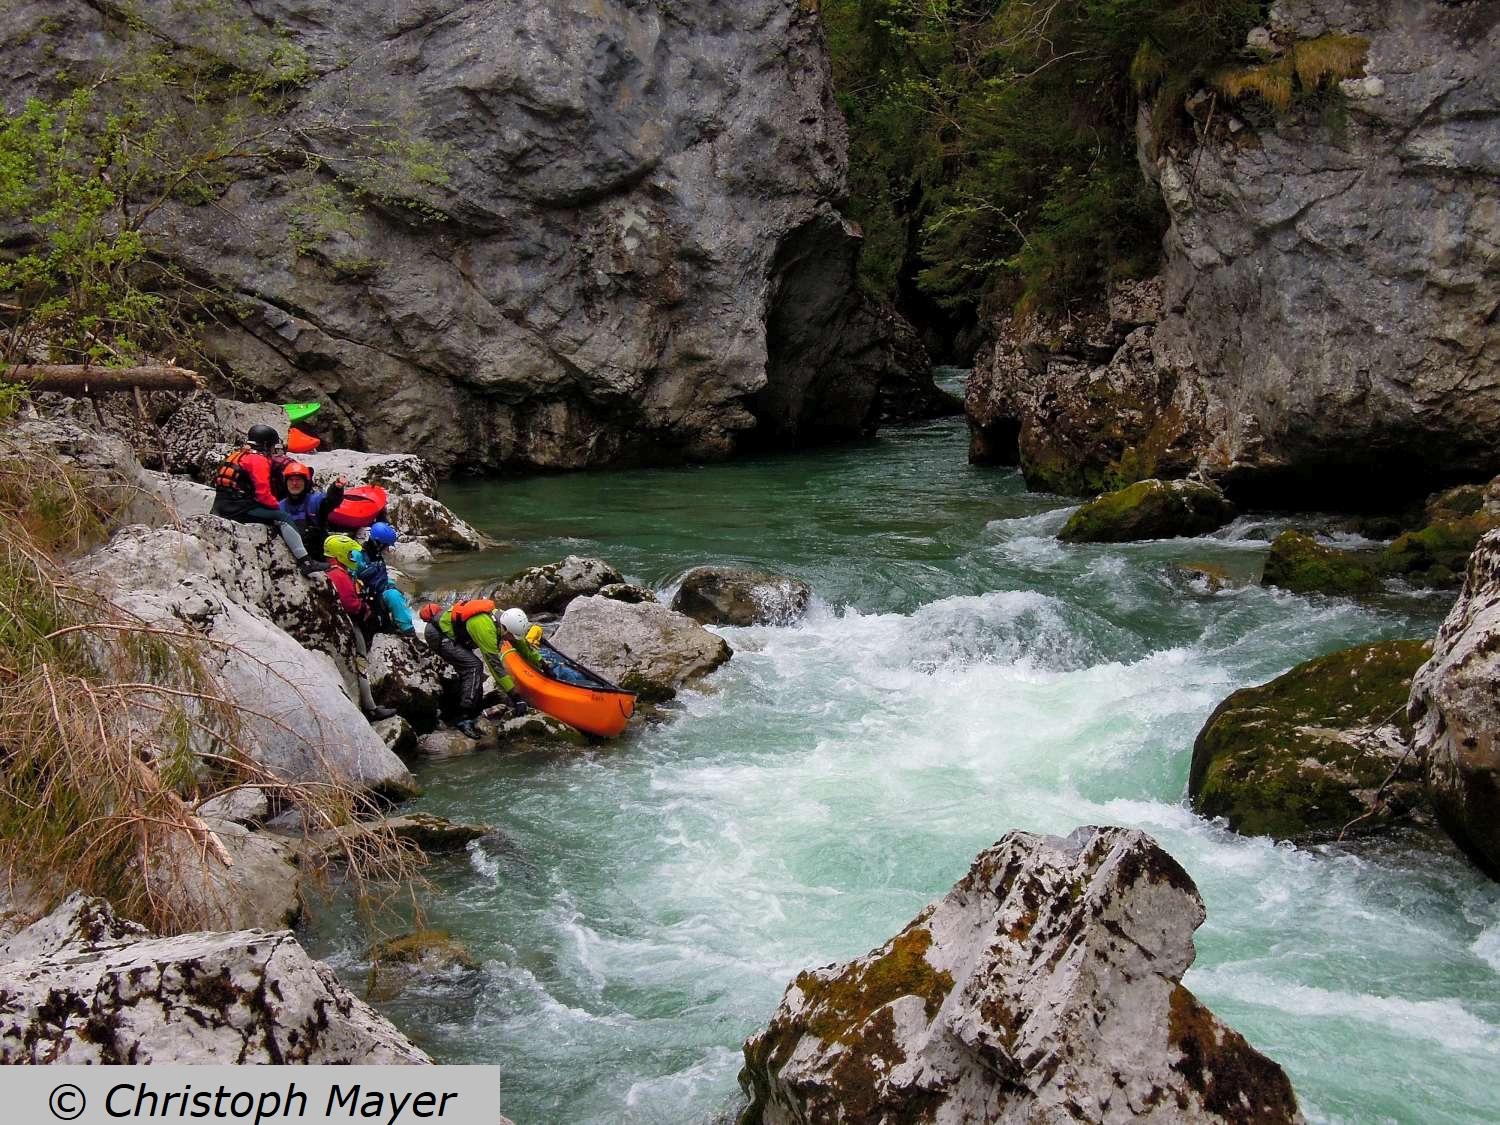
[[408, 676], [635, 256], [1456, 712], [1044, 987], [239, 590], [645, 648], [549, 589], [1333, 281], [721, 595], [89, 989]]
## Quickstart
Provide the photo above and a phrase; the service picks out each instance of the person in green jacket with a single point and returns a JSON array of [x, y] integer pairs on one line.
[[467, 635]]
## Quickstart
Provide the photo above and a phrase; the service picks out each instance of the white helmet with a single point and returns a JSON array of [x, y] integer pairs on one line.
[[514, 622]]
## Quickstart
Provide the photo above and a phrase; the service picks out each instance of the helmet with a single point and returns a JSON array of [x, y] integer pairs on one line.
[[514, 622], [382, 533], [430, 612], [343, 548], [263, 437], [298, 469]]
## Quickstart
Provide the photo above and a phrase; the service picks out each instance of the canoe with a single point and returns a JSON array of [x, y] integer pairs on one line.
[[296, 411], [362, 506], [298, 441], [602, 710]]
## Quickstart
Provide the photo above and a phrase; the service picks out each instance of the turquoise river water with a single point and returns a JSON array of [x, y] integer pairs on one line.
[[960, 675]]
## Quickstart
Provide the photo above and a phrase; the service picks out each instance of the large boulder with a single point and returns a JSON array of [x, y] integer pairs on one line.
[[1149, 509], [1455, 706], [1046, 986], [261, 890], [549, 588], [278, 642], [82, 987], [1309, 752], [410, 482], [722, 595], [596, 233], [1437, 553], [645, 648], [407, 676], [1299, 563]]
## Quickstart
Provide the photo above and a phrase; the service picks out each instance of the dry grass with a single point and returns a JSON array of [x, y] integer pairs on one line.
[[112, 730], [1305, 67]]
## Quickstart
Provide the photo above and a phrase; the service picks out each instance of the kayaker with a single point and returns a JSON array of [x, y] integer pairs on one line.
[[376, 579], [310, 507], [342, 560], [245, 486], [467, 636]]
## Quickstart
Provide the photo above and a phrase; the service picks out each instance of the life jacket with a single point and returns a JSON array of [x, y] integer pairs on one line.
[[374, 573], [459, 615], [232, 476]]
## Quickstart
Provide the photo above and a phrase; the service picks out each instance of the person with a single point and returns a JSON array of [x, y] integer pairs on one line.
[[376, 578], [310, 507], [342, 552], [466, 636], [244, 491]]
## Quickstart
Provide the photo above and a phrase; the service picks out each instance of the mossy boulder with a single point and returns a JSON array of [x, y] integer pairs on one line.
[[427, 949], [1306, 753], [1437, 554], [1149, 509], [1301, 564]]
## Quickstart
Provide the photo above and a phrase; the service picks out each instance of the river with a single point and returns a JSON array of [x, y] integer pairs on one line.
[[961, 674]]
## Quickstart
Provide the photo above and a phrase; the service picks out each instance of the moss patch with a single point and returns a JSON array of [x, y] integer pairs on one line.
[[1218, 1062], [1148, 509], [838, 1007], [433, 949], [1281, 760], [1438, 554], [1299, 563]]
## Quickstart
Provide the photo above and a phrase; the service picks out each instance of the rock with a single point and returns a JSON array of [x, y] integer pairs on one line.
[[1307, 752], [666, 179], [1301, 564], [1455, 709], [244, 804], [97, 992], [1044, 987], [431, 523], [536, 730], [410, 482], [445, 742], [435, 835], [626, 592], [407, 675], [907, 391], [646, 648], [1437, 553], [432, 950], [1206, 577], [1149, 509], [721, 595], [261, 891], [397, 735], [78, 920], [269, 634], [549, 589]]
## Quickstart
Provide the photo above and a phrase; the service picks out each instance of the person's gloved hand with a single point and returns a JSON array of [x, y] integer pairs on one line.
[[519, 707]]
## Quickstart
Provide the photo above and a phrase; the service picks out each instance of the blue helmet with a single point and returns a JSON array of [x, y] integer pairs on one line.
[[383, 533]]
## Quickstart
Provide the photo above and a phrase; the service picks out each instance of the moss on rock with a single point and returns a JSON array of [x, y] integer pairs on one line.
[[1149, 509], [1437, 554], [1301, 564], [1306, 752]]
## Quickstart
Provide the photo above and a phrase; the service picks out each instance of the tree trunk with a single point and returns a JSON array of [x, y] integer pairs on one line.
[[78, 379]]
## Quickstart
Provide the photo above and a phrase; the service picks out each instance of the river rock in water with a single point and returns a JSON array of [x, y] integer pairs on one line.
[[1299, 563], [1149, 509], [549, 588], [1046, 986], [723, 595], [81, 987], [645, 648], [1455, 706], [1308, 752]]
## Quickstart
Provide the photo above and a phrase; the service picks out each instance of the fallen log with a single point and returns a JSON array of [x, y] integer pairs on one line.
[[82, 379]]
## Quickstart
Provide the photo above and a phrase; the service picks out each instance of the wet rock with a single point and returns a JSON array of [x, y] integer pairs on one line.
[[1308, 752], [1044, 987], [549, 589], [435, 835], [1437, 553], [407, 675], [1301, 564], [1206, 577], [430, 950], [445, 742], [277, 641], [245, 804], [1149, 509], [647, 648], [398, 736], [537, 730], [1455, 706], [721, 595], [88, 990], [627, 592]]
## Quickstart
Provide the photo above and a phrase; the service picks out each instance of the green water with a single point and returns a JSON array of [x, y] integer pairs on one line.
[[962, 674]]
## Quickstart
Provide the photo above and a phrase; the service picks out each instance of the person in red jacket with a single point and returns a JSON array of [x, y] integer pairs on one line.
[[365, 623], [244, 492]]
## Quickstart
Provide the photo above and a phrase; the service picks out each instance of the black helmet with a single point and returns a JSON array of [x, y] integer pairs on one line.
[[263, 437]]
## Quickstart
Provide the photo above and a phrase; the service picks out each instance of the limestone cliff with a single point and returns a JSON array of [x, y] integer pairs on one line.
[[625, 249], [1328, 320]]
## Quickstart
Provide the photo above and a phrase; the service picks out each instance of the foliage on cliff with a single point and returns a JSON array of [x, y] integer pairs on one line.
[[992, 142]]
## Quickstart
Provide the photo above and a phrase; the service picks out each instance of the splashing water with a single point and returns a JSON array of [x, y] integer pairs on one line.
[[960, 674]]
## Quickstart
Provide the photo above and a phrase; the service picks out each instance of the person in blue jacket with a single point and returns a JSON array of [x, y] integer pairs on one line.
[[376, 578], [309, 508]]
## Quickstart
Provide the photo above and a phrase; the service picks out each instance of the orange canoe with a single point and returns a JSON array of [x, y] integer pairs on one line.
[[602, 710]]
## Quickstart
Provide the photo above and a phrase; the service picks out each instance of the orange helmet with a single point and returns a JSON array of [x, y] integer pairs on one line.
[[429, 611], [298, 469]]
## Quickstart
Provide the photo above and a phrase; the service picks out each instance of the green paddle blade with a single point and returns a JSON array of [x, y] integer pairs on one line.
[[296, 411]]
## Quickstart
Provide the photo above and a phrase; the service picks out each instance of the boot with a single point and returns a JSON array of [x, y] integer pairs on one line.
[[379, 713], [470, 728], [310, 566]]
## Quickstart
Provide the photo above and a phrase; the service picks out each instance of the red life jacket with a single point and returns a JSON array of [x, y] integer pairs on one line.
[[232, 476]]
